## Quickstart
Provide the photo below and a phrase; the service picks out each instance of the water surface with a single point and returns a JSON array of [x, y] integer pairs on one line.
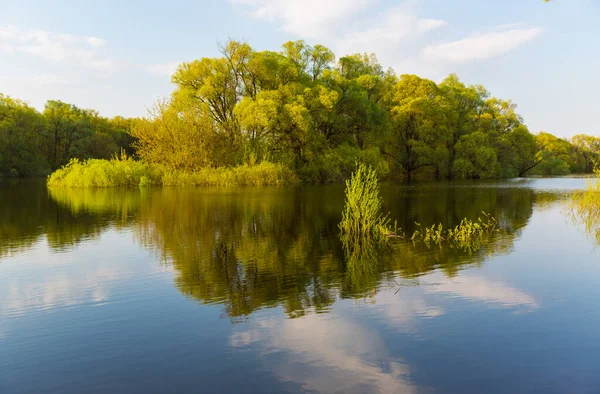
[[250, 290]]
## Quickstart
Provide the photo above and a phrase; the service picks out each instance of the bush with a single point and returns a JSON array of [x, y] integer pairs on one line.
[[104, 173], [362, 220], [585, 206], [337, 164], [132, 173]]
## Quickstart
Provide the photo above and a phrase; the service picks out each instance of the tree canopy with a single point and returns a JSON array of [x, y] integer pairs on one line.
[[302, 107]]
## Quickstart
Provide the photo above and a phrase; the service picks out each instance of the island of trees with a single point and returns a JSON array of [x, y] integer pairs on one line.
[[299, 109]]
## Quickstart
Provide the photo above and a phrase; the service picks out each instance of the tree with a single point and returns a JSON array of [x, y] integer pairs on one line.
[[464, 105], [23, 132], [557, 155], [180, 138], [587, 149], [475, 157], [418, 125]]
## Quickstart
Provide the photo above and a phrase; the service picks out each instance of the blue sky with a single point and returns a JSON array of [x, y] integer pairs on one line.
[[116, 56]]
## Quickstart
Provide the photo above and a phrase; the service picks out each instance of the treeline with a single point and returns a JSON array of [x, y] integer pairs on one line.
[[317, 115], [34, 143]]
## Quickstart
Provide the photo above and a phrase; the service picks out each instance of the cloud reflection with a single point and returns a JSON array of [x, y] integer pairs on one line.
[[329, 354], [478, 288]]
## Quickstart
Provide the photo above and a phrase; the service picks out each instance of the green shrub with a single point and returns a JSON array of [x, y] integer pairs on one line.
[[337, 164], [127, 172], [585, 207], [468, 235], [362, 220]]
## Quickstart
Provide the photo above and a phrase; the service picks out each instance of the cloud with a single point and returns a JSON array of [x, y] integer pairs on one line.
[[305, 18], [328, 355], [478, 48], [40, 80], [482, 289], [79, 51], [384, 35], [164, 69], [397, 34]]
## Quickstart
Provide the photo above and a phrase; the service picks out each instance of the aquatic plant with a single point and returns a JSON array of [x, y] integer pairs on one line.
[[362, 220], [585, 206], [468, 235], [126, 172]]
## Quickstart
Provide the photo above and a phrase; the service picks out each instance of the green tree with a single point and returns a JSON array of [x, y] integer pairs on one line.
[[23, 133], [418, 125], [180, 138]]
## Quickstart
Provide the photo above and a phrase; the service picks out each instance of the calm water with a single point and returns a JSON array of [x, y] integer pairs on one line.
[[249, 290]]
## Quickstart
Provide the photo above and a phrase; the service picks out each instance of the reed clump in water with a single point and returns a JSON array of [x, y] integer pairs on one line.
[[468, 235], [127, 172], [585, 206], [362, 220], [364, 230]]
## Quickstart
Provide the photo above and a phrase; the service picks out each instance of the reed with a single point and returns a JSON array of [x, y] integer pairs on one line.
[[126, 172], [362, 220], [468, 235], [585, 206]]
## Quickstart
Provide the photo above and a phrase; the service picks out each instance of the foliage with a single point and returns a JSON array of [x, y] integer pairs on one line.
[[23, 134], [127, 172], [262, 174], [337, 164], [585, 207], [181, 140], [467, 236], [105, 173], [300, 108], [33, 143], [362, 220]]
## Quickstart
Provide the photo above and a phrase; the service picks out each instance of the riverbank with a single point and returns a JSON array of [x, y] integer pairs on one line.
[[96, 173]]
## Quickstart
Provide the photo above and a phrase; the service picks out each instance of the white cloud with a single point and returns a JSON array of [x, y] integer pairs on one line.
[[426, 25], [396, 34], [482, 289], [305, 18], [481, 47], [79, 51], [164, 69], [45, 80], [328, 355], [383, 36]]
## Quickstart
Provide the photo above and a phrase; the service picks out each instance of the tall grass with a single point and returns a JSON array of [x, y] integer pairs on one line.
[[585, 206], [362, 220], [468, 235], [126, 172]]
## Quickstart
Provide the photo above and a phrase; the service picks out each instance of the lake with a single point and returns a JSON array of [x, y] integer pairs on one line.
[[249, 290]]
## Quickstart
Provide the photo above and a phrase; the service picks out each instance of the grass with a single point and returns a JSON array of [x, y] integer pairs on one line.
[[468, 235], [362, 220], [126, 172], [585, 207]]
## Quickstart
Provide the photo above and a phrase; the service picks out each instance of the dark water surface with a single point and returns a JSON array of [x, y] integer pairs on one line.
[[249, 290]]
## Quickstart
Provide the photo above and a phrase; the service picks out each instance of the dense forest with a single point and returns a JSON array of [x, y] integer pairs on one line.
[[34, 143], [302, 108]]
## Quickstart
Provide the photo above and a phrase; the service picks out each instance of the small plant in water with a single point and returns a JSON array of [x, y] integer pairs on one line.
[[362, 218], [585, 206], [364, 230], [468, 235]]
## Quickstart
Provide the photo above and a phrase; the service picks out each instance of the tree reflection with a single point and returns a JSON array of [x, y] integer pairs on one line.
[[30, 213], [249, 249]]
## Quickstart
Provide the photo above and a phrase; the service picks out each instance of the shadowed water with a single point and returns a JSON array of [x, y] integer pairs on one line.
[[250, 290]]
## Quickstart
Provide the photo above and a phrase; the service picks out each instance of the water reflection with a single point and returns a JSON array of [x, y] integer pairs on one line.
[[249, 249], [84, 294], [327, 355], [343, 352], [28, 214]]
